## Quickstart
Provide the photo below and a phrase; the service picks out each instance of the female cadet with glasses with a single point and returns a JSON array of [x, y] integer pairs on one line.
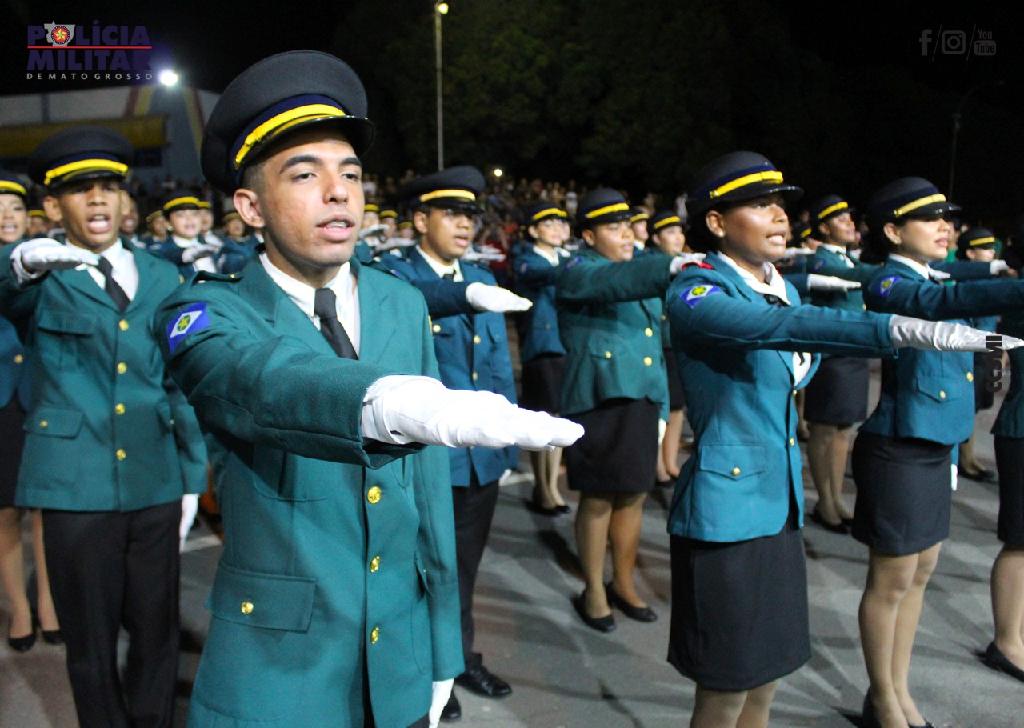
[[741, 337]]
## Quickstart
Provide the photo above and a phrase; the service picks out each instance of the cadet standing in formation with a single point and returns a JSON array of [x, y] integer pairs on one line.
[[184, 245], [472, 353], [739, 584], [536, 265], [609, 317], [15, 400], [312, 375], [111, 446]]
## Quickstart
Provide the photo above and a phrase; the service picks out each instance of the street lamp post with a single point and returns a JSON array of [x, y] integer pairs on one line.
[[957, 117], [440, 10]]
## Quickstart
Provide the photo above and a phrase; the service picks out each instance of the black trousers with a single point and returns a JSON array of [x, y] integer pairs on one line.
[[474, 510], [108, 570]]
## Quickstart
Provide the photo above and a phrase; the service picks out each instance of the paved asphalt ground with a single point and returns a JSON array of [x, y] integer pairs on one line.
[[566, 675]]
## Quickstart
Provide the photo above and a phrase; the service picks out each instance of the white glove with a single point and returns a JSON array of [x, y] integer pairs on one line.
[[189, 508], [998, 266], [794, 252], [943, 336], [39, 255], [496, 299], [662, 428], [816, 282], [954, 472], [191, 255], [938, 275], [440, 692], [400, 409], [679, 261]]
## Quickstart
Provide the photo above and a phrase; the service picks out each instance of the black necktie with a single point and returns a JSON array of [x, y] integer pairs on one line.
[[326, 309], [113, 290], [449, 276]]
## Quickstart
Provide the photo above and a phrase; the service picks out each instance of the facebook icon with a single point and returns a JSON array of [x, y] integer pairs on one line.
[[925, 40]]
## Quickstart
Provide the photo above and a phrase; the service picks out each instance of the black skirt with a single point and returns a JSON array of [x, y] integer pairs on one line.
[[984, 397], [618, 452], [1010, 463], [12, 439], [838, 392], [676, 398], [903, 493], [739, 610], [542, 383]]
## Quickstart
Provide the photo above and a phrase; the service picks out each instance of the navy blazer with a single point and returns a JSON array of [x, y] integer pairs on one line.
[[535, 278], [472, 352], [734, 351]]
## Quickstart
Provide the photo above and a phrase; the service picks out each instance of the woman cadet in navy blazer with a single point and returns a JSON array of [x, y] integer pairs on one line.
[[742, 342], [904, 457]]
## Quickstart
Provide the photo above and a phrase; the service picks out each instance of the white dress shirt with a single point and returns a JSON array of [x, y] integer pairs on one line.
[[302, 294], [551, 256], [775, 285], [440, 268], [925, 270], [839, 250], [122, 265]]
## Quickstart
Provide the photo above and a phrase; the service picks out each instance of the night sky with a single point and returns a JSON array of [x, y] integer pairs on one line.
[[210, 42]]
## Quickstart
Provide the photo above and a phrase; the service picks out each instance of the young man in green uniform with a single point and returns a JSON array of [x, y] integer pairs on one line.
[[336, 598], [112, 446]]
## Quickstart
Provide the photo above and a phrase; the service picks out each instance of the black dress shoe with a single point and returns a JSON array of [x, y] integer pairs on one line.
[[483, 682], [833, 527], [640, 614], [22, 644], [601, 624], [452, 710], [52, 636], [995, 659], [563, 509]]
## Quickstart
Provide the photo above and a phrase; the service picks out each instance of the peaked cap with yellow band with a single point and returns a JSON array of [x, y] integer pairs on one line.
[[662, 220], [279, 94], [974, 239], [179, 201], [827, 207], [542, 210], [600, 206], [455, 188], [12, 184], [907, 197], [80, 153], [737, 177]]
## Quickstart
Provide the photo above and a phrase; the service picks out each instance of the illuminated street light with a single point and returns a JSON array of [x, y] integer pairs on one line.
[[441, 7], [168, 77], [498, 172]]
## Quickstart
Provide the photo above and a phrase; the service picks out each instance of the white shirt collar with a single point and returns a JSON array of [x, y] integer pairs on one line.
[[184, 242], [440, 268], [302, 294], [774, 283], [924, 270], [122, 267], [551, 256], [838, 249]]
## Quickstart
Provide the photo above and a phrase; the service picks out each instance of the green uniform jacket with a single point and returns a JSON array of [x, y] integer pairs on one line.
[[339, 553], [612, 336], [107, 430]]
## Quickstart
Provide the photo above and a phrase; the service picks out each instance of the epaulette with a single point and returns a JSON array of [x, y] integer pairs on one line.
[[203, 275]]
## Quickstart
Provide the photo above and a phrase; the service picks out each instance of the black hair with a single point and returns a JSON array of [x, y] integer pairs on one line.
[[875, 247], [698, 237]]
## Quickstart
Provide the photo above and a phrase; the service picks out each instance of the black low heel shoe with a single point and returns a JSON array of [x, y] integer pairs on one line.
[[868, 719], [640, 614], [601, 624], [50, 636], [22, 644], [995, 659]]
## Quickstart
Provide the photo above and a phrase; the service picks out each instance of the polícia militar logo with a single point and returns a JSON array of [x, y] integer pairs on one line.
[[69, 51]]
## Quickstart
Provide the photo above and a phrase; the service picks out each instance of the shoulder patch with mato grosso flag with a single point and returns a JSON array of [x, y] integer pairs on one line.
[[695, 294], [192, 319]]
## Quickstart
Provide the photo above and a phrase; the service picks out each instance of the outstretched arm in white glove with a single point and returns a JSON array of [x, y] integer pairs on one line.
[[191, 255], [818, 282], [944, 336], [400, 409], [682, 259], [483, 297], [35, 257]]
